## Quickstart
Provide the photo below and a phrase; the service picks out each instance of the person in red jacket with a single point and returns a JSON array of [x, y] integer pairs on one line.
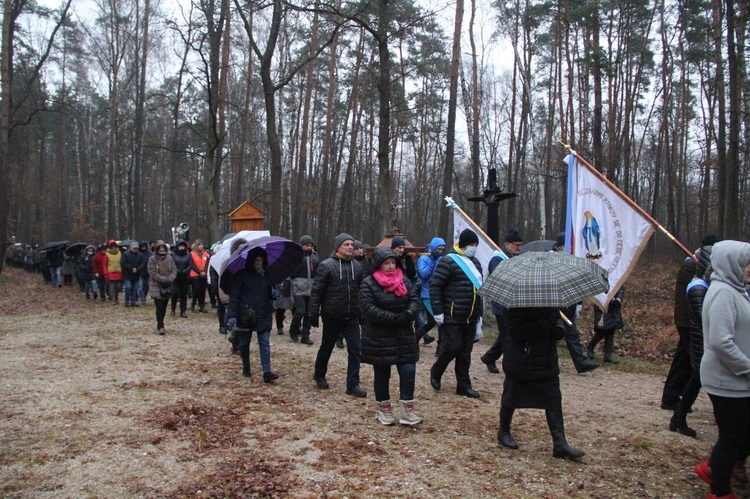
[[100, 260]]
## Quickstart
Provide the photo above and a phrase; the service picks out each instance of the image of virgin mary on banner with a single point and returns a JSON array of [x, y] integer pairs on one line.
[[602, 226]]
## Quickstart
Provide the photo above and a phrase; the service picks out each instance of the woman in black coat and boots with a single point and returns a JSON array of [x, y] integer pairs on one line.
[[532, 374], [389, 304]]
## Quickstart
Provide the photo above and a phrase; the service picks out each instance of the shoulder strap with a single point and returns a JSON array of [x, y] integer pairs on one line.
[[471, 274]]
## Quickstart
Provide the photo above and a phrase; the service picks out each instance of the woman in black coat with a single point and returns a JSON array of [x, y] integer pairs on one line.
[[532, 374], [389, 304], [250, 308]]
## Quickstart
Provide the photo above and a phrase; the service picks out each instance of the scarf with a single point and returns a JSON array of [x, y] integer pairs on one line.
[[392, 282]]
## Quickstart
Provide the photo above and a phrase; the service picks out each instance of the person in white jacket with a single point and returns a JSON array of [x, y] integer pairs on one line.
[[725, 367]]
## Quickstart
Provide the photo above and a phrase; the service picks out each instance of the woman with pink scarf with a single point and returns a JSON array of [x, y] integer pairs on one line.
[[389, 304]]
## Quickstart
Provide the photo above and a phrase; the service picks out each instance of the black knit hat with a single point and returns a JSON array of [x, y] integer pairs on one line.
[[467, 237], [397, 241], [710, 239], [513, 237], [560, 241]]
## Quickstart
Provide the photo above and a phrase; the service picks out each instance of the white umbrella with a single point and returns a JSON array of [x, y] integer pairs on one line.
[[220, 259]]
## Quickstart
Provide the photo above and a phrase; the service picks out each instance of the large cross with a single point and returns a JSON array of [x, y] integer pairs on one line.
[[492, 197]]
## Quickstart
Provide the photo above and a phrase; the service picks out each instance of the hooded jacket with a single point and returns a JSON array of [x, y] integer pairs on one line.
[[86, 263], [426, 266], [388, 332], [335, 291], [131, 260], [161, 270], [725, 367], [181, 259], [252, 290]]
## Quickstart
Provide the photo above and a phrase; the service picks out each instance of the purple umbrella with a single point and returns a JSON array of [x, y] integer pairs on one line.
[[284, 256]]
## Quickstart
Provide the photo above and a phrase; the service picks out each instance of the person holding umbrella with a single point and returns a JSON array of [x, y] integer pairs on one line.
[[250, 309], [534, 287], [457, 309]]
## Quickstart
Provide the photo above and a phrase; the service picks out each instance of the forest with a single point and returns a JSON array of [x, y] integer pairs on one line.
[[122, 118]]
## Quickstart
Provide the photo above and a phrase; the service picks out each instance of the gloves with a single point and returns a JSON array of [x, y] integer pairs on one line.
[[275, 293], [168, 282], [231, 322], [314, 321], [439, 319]]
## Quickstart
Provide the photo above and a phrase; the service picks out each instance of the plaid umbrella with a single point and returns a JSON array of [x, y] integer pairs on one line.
[[544, 280], [284, 256]]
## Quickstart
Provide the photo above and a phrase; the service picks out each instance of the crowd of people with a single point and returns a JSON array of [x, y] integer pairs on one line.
[[382, 308]]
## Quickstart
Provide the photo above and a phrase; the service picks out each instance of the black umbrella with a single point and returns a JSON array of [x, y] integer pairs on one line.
[[75, 249], [125, 243], [284, 256], [540, 245], [54, 245]]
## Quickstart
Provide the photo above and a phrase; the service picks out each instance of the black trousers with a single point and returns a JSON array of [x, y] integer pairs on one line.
[[456, 343], [680, 370], [496, 350], [732, 417], [161, 311], [181, 285]]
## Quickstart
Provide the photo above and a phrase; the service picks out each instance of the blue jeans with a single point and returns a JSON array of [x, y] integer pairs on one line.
[[143, 287], [406, 374], [56, 274], [131, 292], [331, 330], [264, 346], [90, 286]]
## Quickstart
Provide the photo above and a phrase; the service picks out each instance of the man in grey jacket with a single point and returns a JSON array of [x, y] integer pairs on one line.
[[302, 282]]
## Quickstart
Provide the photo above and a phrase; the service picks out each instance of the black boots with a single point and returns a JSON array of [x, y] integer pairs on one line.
[[503, 434], [560, 447], [609, 347], [679, 423], [592, 344]]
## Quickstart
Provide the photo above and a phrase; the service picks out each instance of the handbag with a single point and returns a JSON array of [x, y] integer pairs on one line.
[[165, 291], [246, 318]]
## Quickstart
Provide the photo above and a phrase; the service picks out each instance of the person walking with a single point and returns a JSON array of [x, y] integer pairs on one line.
[[426, 265], [457, 309], [532, 374], [86, 263], [335, 299], [250, 309], [302, 283], [680, 371], [389, 305], [283, 303], [100, 261], [181, 258], [696, 293], [143, 282], [162, 272], [199, 276], [726, 363], [511, 247], [131, 264], [113, 270]]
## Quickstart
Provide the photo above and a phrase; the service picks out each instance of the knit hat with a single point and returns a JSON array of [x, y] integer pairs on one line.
[[357, 244], [560, 241], [397, 241], [306, 240], [467, 237], [513, 237], [340, 239]]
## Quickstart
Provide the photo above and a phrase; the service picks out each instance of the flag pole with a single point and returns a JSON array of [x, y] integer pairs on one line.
[[625, 198], [452, 204]]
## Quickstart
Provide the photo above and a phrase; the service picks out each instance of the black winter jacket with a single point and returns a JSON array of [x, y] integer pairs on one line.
[[388, 331], [696, 293], [253, 290], [530, 350], [86, 263], [130, 261], [182, 261], [684, 276], [452, 293], [335, 292]]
